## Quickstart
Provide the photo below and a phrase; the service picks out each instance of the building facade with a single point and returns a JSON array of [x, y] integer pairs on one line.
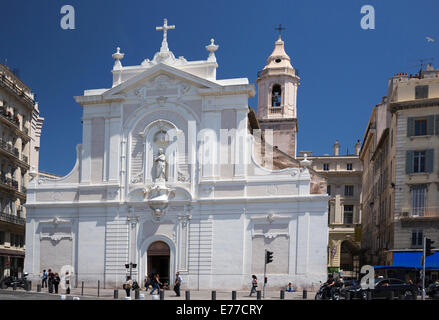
[[343, 176], [19, 142], [403, 198], [167, 177]]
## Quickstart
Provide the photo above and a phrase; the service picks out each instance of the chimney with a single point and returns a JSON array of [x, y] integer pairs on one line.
[[336, 148], [357, 147]]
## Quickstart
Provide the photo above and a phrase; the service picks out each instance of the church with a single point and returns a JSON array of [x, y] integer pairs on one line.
[[177, 173]]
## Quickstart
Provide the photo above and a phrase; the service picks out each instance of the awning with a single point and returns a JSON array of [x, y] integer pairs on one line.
[[413, 259]]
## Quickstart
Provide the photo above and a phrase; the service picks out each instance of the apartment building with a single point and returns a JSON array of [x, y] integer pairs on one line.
[[343, 173], [20, 129], [400, 156]]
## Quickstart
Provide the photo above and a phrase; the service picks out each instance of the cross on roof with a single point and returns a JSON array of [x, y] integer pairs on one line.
[[165, 29], [280, 28]]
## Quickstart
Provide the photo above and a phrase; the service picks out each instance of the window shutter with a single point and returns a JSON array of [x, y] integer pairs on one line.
[[409, 162], [430, 125], [410, 126], [429, 160]]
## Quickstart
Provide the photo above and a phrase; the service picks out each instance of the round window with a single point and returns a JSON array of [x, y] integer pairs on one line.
[[278, 60]]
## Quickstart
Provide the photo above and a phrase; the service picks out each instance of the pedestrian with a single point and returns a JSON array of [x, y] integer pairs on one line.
[[128, 285], [56, 282], [254, 285], [44, 279], [156, 284], [177, 284], [51, 277], [290, 287], [67, 280]]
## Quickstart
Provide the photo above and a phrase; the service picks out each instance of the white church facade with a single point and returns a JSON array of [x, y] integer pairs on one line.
[[168, 177]]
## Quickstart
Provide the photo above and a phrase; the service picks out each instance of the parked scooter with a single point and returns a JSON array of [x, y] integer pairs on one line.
[[324, 292]]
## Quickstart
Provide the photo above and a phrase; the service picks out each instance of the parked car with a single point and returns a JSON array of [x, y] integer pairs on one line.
[[382, 290], [432, 289]]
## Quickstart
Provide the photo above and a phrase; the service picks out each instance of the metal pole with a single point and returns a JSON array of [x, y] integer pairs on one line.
[[99, 284], [265, 269], [82, 289], [423, 268], [233, 295], [131, 270], [213, 295]]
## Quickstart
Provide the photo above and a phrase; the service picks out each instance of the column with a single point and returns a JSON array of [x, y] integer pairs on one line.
[[86, 151], [241, 143]]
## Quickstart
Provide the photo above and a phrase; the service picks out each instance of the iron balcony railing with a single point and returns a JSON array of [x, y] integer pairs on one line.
[[9, 182], [418, 212], [6, 217], [4, 81], [9, 148]]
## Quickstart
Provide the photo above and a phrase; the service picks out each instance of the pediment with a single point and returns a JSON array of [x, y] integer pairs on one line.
[[160, 81]]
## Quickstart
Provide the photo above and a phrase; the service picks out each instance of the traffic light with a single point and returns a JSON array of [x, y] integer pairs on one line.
[[268, 257], [428, 247]]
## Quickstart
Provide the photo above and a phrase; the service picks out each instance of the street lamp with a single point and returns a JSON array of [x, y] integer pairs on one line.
[[131, 266]]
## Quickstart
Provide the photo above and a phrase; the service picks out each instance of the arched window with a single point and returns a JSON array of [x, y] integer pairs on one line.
[[276, 96]]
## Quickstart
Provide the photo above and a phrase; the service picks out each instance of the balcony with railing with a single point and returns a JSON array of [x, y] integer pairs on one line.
[[22, 94], [9, 148], [411, 213], [9, 182], [10, 218]]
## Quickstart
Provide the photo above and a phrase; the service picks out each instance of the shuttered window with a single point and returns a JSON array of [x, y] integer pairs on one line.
[[421, 92], [419, 197], [420, 126], [419, 161]]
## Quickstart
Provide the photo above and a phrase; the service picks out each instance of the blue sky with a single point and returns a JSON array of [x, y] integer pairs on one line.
[[344, 69]]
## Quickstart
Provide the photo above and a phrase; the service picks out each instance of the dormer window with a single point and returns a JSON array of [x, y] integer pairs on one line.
[[276, 96], [278, 60]]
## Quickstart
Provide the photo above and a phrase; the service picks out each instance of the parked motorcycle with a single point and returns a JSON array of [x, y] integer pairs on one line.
[[324, 292], [10, 282]]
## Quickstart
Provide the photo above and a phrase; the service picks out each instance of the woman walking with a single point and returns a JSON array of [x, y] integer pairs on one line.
[[156, 284], [254, 285]]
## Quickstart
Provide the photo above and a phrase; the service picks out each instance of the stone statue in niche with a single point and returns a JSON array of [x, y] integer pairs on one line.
[[160, 165]]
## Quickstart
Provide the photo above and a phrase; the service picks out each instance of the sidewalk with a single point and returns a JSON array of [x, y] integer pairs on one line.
[[108, 294]]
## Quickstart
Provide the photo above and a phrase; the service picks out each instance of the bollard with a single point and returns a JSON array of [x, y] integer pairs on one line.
[[258, 295], [282, 295], [142, 296], [116, 294], [305, 294], [213, 295], [162, 295], [155, 297], [128, 298], [76, 298], [38, 287], [136, 294], [14, 287], [233, 295], [29, 285], [188, 295], [99, 284], [348, 295], [63, 297], [369, 295], [82, 288]]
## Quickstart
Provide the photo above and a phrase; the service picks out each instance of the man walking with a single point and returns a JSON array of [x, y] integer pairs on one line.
[[51, 278], [177, 284], [44, 279]]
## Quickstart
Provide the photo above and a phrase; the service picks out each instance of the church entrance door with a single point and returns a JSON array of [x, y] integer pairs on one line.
[[158, 260]]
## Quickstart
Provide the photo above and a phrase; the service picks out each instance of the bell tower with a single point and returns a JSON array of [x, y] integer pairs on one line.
[[277, 97]]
